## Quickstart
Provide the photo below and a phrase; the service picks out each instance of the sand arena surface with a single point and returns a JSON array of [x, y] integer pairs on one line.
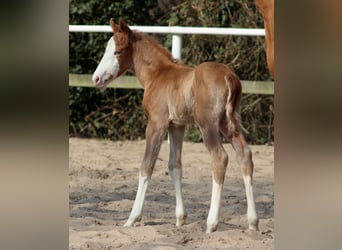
[[103, 179]]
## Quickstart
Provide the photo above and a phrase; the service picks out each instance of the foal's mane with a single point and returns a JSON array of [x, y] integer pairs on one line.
[[155, 46]]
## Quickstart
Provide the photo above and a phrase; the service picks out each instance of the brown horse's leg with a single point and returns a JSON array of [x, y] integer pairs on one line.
[[219, 162], [175, 170], [267, 10], [154, 138], [244, 157]]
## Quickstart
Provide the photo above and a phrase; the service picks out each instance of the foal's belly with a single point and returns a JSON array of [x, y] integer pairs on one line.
[[180, 101], [180, 119], [181, 112]]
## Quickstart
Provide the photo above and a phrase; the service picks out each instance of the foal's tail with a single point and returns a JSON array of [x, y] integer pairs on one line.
[[233, 103]]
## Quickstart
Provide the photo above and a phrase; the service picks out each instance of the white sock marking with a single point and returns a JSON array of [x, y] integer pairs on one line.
[[251, 211], [176, 175], [215, 205], [136, 212]]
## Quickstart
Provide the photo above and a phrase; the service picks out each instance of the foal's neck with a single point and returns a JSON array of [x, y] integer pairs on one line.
[[150, 59]]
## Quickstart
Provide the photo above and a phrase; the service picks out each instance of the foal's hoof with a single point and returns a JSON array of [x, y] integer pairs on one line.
[[254, 224], [181, 220], [128, 224], [211, 228]]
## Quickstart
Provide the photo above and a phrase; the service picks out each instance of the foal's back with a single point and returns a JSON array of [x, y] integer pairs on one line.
[[192, 94]]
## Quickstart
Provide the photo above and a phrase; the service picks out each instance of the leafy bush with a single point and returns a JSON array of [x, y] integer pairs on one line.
[[114, 114]]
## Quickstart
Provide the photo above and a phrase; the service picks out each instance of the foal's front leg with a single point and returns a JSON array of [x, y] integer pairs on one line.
[[154, 138]]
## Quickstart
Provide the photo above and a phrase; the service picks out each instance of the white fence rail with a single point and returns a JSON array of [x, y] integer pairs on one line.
[[176, 32]]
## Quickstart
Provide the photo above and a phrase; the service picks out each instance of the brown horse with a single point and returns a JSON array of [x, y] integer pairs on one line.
[[266, 8], [175, 95]]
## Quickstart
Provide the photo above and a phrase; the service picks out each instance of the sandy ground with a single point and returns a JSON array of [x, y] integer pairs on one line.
[[103, 178]]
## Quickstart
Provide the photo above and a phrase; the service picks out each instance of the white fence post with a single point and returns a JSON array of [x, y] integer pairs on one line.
[[177, 46], [177, 54]]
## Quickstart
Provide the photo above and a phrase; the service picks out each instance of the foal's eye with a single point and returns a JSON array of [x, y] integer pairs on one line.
[[117, 53]]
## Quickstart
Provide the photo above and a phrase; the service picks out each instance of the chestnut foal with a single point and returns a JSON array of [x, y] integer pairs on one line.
[[175, 95]]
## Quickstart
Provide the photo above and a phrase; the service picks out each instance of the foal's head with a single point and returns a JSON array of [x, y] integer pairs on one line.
[[118, 55]]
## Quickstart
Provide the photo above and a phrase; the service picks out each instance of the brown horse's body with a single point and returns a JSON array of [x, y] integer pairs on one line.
[[175, 95], [266, 7]]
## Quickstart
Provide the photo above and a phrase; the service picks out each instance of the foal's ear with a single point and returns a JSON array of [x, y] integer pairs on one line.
[[124, 27], [115, 27]]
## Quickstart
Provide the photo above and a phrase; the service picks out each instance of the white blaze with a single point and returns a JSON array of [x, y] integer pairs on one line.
[[108, 67]]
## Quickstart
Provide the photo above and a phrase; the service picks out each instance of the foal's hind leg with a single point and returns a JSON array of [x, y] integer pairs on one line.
[[154, 138], [175, 170], [219, 162], [244, 157]]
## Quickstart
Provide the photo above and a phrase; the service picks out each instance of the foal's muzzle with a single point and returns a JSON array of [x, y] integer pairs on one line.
[[101, 82]]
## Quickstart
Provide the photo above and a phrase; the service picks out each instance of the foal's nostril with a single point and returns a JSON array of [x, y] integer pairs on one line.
[[96, 80]]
